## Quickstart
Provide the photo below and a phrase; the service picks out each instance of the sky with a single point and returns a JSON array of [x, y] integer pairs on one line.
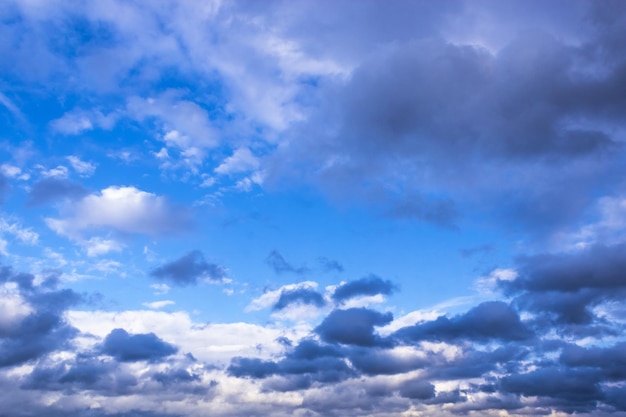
[[312, 208]]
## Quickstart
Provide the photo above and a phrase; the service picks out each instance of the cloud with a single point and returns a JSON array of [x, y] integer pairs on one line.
[[366, 286], [190, 268], [155, 305], [242, 160], [306, 364], [299, 296], [137, 347], [487, 321], [566, 286], [354, 326], [52, 189], [78, 121], [37, 326], [84, 169], [276, 261], [330, 265], [122, 209]]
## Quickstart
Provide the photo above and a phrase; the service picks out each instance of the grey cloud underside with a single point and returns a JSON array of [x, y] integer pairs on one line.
[[564, 288], [369, 285], [130, 348], [43, 330], [189, 269], [299, 296], [51, 189]]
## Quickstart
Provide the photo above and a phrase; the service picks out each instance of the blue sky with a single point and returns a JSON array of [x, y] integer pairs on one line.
[[299, 208]]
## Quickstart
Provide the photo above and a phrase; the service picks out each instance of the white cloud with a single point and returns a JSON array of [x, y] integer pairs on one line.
[[123, 209], [155, 305], [214, 343], [10, 170], [160, 289], [25, 235], [58, 172], [13, 308], [489, 284], [97, 246], [242, 160], [77, 121], [84, 169], [186, 126]]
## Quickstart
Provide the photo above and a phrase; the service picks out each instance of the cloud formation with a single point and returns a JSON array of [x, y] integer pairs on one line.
[[189, 269]]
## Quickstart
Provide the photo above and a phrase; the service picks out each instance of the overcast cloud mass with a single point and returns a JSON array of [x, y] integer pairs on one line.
[[305, 208]]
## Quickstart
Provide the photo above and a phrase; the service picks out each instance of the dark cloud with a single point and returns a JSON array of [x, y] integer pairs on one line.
[[330, 265], [136, 347], [354, 326], [299, 296], [570, 390], [52, 189], [188, 269], [420, 122], [276, 261], [44, 329], [493, 320], [382, 362], [369, 285], [417, 389], [567, 286], [610, 361], [306, 364]]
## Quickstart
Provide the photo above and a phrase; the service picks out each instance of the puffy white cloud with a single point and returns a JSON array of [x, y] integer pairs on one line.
[[122, 209], [214, 343]]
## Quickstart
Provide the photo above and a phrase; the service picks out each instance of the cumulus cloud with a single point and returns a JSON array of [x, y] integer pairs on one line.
[[122, 209], [127, 347], [189, 269], [367, 286]]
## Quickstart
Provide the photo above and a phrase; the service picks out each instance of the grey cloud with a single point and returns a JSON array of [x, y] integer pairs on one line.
[[52, 189], [330, 265], [43, 330], [354, 326], [299, 296], [493, 320], [382, 362], [421, 122], [188, 269], [306, 364], [369, 285], [571, 390], [417, 389], [568, 285], [276, 261], [136, 347]]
